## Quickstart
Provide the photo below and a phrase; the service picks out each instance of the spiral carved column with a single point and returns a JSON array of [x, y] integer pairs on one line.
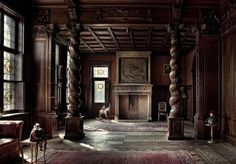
[[175, 92], [175, 122], [74, 78], [74, 120]]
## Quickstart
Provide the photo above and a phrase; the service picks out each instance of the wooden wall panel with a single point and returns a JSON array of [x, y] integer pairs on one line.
[[39, 74], [41, 78], [228, 87], [87, 62], [211, 75], [159, 80]]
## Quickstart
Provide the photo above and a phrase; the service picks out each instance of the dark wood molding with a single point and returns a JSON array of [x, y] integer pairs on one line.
[[82, 41], [131, 37], [41, 16], [113, 37], [149, 37], [98, 40]]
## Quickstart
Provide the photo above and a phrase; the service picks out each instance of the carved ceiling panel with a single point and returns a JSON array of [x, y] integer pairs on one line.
[[132, 25]]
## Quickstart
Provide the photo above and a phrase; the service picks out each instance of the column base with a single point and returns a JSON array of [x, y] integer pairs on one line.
[[74, 128], [176, 128]]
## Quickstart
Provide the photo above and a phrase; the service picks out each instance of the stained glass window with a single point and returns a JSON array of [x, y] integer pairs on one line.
[[100, 80], [100, 72], [12, 66], [12, 85], [9, 32], [9, 96], [11, 93], [99, 91]]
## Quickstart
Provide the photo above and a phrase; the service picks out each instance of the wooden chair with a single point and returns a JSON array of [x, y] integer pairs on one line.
[[162, 110]]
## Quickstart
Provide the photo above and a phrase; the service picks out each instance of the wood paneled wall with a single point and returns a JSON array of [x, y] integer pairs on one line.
[[42, 101], [229, 87], [159, 80]]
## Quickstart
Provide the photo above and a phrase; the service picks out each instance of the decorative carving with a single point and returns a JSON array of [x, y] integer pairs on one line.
[[74, 74], [210, 22], [229, 10], [124, 15], [229, 17], [71, 10], [121, 88], [175, 92], [41, 16], [42, 30], [133, 70]]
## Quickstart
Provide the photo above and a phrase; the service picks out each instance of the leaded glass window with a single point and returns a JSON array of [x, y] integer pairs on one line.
[[99, 91], [100, 72], [9, 32], [12, 66], [9, 96], [100, 84], [11, 50]]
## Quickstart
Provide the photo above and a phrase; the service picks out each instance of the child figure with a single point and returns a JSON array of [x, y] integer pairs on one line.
[[37, 135]]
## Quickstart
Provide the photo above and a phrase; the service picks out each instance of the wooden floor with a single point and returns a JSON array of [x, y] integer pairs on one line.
[[202, 152]]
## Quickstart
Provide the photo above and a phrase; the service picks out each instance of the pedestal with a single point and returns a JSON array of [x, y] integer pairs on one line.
[[74, 128], [212, 133], [176, 128]]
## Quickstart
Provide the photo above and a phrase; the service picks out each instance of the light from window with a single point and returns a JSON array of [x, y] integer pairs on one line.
[[9, 32], [12, 47], [99, 91], [100, 72]]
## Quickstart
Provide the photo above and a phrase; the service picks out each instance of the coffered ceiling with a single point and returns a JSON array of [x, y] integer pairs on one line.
[[125, 25]]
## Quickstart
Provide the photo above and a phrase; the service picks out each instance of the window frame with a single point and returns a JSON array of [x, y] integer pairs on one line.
[[105, 79], [18, 50]]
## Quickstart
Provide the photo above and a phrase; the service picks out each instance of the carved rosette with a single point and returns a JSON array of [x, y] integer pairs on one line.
[[175, 92], [74, 76]]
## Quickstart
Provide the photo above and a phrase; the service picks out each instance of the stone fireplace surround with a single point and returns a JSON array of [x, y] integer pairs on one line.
[[133, 95]]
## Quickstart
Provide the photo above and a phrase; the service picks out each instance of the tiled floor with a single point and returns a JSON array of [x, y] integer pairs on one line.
[[202, 152]]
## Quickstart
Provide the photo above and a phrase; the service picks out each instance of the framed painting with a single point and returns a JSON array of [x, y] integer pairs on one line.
[[167, 69], [134, 70]]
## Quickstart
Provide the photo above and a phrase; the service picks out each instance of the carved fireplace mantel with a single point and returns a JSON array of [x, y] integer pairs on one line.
[[133, 91], [133, 101]]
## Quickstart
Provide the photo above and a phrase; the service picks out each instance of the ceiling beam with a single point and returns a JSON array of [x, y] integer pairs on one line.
[[123, 25], [165, 40], [149, 37], [113, 37], [131, 37], [95, 36], [86, 45]]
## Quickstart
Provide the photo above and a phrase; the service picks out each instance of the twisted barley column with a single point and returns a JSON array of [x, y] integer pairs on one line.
[[74, 79], [175, 92]]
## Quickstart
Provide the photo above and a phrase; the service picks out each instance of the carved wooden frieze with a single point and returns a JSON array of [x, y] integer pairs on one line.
[[42, 30], [229, 17], [133, 88], [210, 22], [124, 15], [41, 16]]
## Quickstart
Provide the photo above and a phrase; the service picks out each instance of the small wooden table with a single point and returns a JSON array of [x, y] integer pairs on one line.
[[33, 147]]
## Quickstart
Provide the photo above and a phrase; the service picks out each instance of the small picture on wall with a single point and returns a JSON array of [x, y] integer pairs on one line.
[[167, 69]]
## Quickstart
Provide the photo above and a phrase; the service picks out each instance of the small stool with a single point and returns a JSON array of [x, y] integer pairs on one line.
[[33, 147]]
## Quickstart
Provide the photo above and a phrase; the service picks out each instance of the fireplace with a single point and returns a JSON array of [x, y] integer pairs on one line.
[[133, 91]]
